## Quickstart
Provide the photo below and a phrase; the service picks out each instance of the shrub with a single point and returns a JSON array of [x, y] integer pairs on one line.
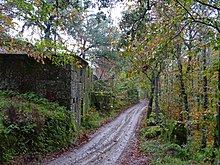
[[150, 131], [133, 96], [102, 101], [91, 120], [30, 124]]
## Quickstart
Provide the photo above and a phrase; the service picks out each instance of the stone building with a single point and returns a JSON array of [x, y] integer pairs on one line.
[[69, 85]]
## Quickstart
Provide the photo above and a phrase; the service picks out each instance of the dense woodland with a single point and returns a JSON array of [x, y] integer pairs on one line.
[[169, 51]]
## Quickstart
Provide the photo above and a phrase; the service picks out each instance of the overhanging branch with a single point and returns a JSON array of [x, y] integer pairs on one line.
[[205, 4], [213, 24]]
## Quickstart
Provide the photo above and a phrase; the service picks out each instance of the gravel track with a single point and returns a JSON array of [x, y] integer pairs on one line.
[[108, 143]]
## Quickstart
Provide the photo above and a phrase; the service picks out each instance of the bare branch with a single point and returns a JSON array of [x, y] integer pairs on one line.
[[213, 24], [207, 24], [205, 4]]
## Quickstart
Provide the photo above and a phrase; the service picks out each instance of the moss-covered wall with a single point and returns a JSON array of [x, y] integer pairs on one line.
[[66, 85]]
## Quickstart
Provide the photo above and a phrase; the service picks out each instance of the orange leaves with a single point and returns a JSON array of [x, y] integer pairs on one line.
[[78, 63]]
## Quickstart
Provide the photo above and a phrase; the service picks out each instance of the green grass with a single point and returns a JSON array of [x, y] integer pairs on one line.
[[170, 153], [164, 152], [95, 118]]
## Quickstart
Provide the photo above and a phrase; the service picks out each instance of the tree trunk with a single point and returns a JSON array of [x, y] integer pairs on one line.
[[205, 98], [151, 99], [156, 98], [218, 120], [182, 86]]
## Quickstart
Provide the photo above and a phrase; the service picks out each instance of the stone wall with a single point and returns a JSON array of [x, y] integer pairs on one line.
[[68, 85], [80, 90]]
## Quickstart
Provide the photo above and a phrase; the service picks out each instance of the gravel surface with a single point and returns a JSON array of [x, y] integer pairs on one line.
[[107, 144], [132, 154]]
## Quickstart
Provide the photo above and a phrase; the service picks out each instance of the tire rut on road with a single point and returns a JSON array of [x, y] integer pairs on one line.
[[107, 144]]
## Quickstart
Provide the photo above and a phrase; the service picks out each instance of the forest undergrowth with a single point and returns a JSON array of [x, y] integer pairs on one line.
[[165, 146]]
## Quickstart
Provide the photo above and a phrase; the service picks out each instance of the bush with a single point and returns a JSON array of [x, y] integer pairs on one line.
[[91, 120], [30, 124], [170, 153], [133, 95], [175, 131], [150, 131], [102, 101]]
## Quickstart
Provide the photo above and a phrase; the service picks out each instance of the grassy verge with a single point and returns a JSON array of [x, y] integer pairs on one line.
[[157, 141], [94, 119]]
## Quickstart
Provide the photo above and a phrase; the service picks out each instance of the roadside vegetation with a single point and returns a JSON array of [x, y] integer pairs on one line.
[[108, 100], [165, 144], [31, 126]]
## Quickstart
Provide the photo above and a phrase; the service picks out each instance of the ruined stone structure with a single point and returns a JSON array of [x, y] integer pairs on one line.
[[68, 85]]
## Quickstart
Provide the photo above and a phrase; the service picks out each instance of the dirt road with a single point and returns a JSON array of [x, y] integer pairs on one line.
[[108, 143]]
